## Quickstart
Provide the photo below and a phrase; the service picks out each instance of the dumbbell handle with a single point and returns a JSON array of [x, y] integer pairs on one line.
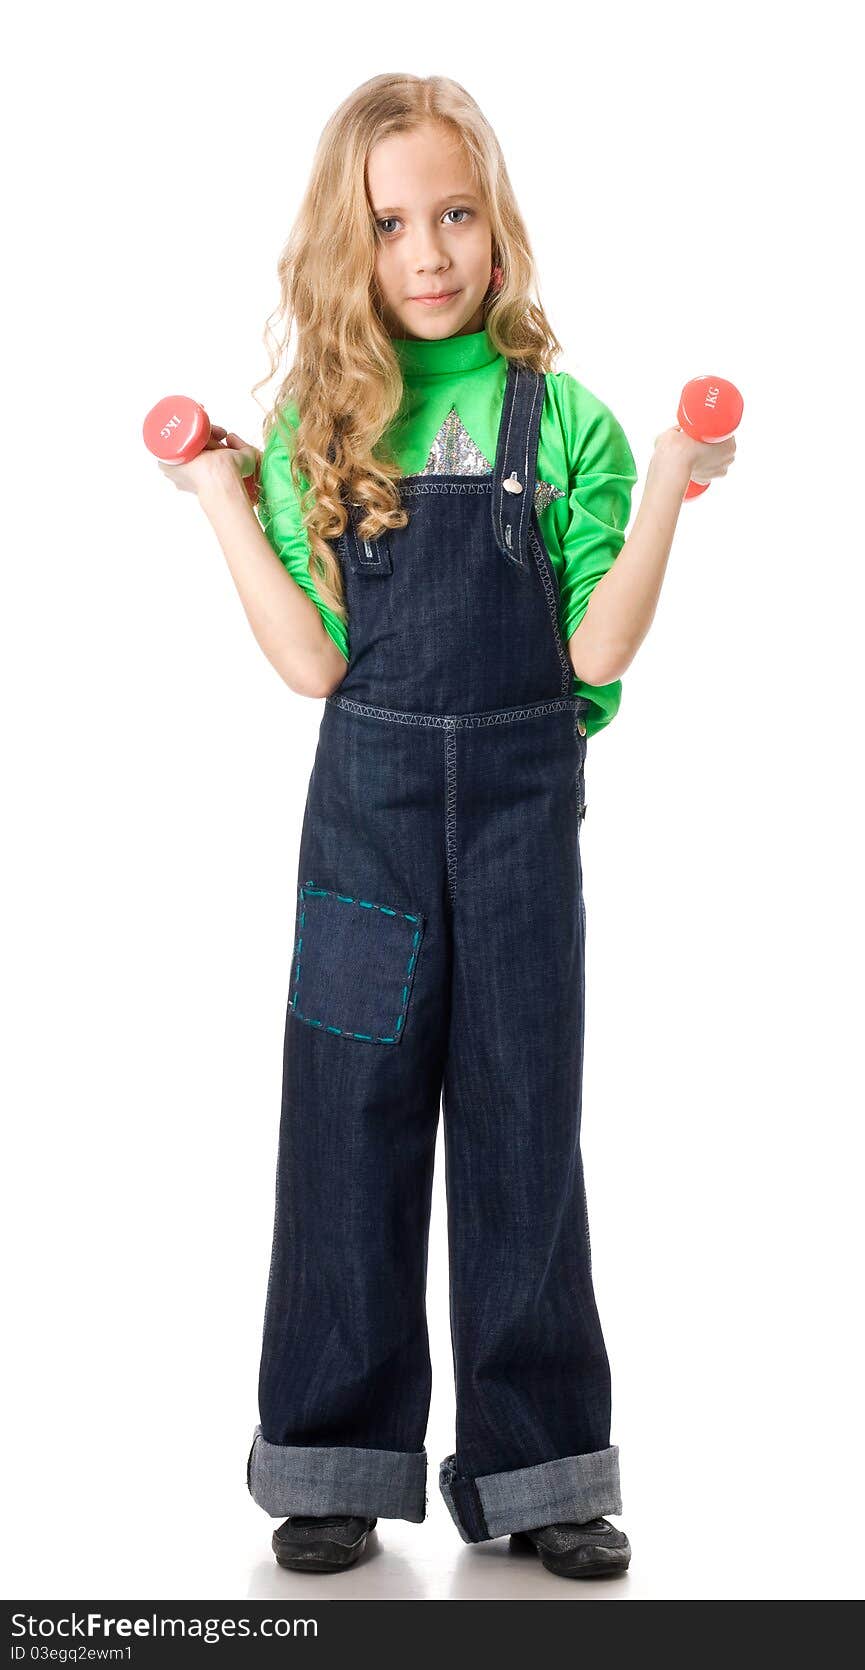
[[710, 409], [177, 429]]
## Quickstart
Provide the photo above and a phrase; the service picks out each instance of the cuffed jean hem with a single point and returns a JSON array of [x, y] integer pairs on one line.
[[295, 1478], [570, 1490]]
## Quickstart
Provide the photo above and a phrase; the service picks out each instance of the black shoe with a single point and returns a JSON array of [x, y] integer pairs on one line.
[[330, 1542], [593, 1549]]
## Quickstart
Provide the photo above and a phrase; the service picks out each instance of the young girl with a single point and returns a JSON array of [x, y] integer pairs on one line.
[[442, 556]]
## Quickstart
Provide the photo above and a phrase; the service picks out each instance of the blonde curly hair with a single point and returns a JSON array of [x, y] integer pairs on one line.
[[345, 382]]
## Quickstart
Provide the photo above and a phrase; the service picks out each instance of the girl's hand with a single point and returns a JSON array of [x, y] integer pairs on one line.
[[705, 459], [225, 455]]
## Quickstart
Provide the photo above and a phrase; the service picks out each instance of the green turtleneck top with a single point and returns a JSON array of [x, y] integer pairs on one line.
[[454, 389]]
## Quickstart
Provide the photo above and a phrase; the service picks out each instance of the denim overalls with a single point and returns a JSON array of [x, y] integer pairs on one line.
[[439, 959]]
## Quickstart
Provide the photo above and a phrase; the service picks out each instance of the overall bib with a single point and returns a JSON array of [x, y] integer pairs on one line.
[[439, 961]]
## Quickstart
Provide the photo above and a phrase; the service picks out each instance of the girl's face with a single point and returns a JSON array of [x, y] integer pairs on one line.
[[433, 235]]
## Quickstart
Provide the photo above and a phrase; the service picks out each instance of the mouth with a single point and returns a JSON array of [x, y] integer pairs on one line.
[[436, 298]]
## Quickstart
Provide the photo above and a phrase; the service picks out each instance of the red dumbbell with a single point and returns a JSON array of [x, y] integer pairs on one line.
[[710, 409], [177, 429]]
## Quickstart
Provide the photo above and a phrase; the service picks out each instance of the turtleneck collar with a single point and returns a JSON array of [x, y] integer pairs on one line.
[[445, 356]]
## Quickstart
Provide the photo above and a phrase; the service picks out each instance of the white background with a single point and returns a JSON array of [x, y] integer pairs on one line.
[[687, 176]]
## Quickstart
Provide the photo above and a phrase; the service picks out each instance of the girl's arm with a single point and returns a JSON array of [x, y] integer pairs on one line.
[[622, 605], [286, 623]]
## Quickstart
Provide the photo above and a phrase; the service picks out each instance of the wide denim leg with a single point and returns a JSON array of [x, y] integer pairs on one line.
[[532, 1375], [345, 1378]]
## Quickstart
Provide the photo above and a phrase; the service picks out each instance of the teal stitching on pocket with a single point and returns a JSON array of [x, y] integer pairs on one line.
[[345, 898]]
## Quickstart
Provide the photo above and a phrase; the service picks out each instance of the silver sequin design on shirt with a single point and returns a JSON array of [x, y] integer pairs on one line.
[[453, 452]]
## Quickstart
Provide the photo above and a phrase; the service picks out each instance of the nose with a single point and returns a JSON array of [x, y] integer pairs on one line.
[[432, 264], [429, 257]]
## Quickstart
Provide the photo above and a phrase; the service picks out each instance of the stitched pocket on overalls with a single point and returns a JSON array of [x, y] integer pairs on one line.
[[354, 964]]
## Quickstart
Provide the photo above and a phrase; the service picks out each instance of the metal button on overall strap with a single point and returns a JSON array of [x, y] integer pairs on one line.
[[516, 463]]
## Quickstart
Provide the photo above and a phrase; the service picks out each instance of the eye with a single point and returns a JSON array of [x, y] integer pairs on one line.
[[387, 219]]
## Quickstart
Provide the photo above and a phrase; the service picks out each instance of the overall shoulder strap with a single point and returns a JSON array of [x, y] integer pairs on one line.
[[516, 462]]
